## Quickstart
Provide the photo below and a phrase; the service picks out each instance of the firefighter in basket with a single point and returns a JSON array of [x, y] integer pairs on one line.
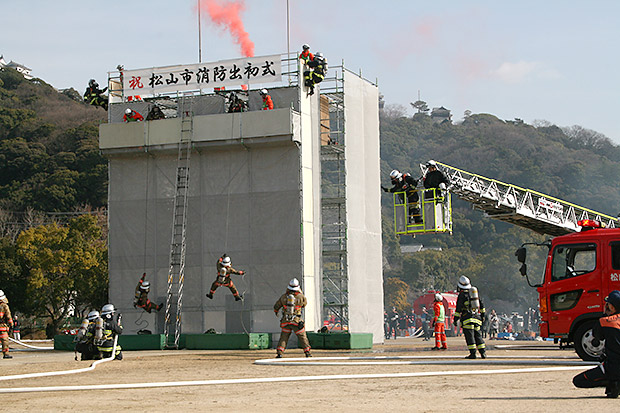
[[224, 270], [291, 303]]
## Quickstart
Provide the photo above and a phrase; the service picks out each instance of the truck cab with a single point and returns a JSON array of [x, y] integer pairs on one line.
[[581, 269]]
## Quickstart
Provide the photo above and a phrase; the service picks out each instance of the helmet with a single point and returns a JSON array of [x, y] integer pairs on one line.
[[293, 285], [226, 262], [127, 111], [395, 174], [92, 82], [464, 283], [431, 163], [264, 91], [305, 46], [108, 309], [93, 315], [2, 296], [319, 55], [438, 297], [145, 285]]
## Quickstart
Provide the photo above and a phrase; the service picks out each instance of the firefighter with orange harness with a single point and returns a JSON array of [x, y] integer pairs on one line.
[[6, 323], [439, 323], [470, 310], [607, 374], [141, 298], [224, 270], [291, 303], [267, 102]]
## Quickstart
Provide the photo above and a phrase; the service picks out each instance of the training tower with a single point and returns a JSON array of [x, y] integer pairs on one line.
[[288, 192]]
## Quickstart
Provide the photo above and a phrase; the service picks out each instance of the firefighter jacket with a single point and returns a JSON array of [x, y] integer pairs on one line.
[[300, 303], [469, 319], [434, 178], [440, 312], [111, 329], [267, 102], [6, 320], [229, 271], [608, 329], [408, 185], [133, 117]]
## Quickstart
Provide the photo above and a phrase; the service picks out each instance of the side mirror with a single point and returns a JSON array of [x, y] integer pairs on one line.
[[521, 255], [523, 270]]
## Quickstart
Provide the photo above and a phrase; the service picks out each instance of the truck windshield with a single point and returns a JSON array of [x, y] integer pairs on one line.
[[572, 260]]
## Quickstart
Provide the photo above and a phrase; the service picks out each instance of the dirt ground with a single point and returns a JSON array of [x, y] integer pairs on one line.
[[517, 392]]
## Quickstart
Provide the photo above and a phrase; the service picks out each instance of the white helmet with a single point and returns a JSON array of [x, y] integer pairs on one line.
[[226, 262], [145, 285], [431, 163], [127, 111], [264, 91], [395, 174], [107, 309], [293, 285], [464, 283], [93, 315], [305, 46], [438, 297], [2, 296]]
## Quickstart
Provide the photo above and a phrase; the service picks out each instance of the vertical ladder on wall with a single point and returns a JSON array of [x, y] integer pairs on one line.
[[176, 272]]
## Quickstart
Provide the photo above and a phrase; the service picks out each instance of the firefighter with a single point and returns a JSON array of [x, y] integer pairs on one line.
[[267, 102], [291, 303], [95, 96], [607, 374], [224, 270], [434, 178], [317, 73], [86, 337], [132, 116], [111, 329], [6, 324], [407, 184], [141, 298], [305, 54], [438, 323], [470, 311]]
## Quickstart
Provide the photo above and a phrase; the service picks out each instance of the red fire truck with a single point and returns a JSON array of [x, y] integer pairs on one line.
[[449, 303], [581, 269]]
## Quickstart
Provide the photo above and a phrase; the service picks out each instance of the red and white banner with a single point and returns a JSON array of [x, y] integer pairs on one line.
[[244, 71]]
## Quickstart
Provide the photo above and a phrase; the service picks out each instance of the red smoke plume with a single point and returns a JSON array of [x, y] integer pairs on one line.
[[227, 15]]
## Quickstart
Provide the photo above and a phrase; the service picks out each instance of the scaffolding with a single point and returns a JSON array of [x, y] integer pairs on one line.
[[333, 201]]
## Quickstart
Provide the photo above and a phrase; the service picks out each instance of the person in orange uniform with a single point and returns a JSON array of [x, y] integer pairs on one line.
[[291, 303], [6, 323], [267, 102], [132, 116], [224, 270], [439, 321], [306, 55]]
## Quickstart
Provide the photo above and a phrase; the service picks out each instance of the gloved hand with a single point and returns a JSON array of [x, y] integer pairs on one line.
[[301, 324], [241, 272], [276, 312], [384, 188]]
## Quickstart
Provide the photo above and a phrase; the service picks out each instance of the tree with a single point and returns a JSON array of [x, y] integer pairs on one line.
[[65, 266], [395, 293], [420, 105]]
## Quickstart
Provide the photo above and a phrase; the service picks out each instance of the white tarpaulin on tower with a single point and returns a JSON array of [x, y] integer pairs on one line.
[[236, 72]]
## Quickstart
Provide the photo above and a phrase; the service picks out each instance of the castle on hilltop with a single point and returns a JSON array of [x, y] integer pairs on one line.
[[25, 71]]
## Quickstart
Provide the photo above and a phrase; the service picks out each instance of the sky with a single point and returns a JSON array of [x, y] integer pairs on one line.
[[535, 60]]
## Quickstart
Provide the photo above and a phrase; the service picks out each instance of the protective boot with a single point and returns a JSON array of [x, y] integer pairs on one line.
[[238, 297], [310, 355], [483, 353], [210, 296], [612, 390], [472, 354], [8, 356]]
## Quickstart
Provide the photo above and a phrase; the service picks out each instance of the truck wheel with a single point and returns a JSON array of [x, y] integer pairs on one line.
[[587, 347]]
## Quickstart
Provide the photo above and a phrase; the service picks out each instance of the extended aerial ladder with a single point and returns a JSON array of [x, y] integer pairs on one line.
[[510, 203], [176, 272]]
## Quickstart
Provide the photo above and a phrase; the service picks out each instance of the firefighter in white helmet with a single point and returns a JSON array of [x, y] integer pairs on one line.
[[6, 323], [470, 311], [141, 297], [86, 337], [407, 184], [224, 270], [267, 102], [111, 329], [439, 323], [291, 303]]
